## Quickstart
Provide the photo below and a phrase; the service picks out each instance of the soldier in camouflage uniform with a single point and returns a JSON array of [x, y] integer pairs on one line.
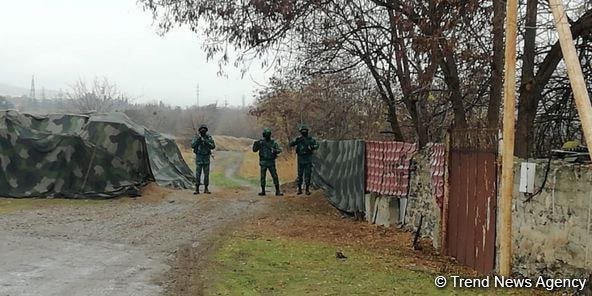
[[202, 145], [268, 150], [305, 146]]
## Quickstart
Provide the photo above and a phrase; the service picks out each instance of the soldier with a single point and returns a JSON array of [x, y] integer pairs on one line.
[[268, 151], [202, 145], [305, 146]]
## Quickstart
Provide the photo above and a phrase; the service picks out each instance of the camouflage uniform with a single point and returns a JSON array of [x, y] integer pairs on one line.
[[268, 150], [305, 147], [202, 147]]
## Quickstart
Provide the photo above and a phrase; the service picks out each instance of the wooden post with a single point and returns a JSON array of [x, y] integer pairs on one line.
[[574, 70], [507, 183]]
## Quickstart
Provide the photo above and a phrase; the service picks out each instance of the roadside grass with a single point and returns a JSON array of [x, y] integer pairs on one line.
[[219, 179], [279, 266], [288, 267], [291, 249], [9, 205]]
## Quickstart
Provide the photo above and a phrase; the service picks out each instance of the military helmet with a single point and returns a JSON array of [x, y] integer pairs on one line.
[[203, 126], [303, 127], [266, 131]]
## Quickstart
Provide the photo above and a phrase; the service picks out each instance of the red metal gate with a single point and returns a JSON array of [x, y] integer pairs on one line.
[[470, 231]]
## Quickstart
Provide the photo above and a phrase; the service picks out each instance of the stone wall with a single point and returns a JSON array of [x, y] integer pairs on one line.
[[552, 233], [421, 201]]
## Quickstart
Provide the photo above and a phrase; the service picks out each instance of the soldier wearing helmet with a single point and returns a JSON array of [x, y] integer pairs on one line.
[[268, 150], [202, 145], [305, 147]]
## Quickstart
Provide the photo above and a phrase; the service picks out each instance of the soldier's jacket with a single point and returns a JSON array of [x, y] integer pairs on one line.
[[202, 147], [305, 146], [268, 151]]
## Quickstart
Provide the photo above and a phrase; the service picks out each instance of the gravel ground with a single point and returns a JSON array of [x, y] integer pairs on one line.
[[116, 247]]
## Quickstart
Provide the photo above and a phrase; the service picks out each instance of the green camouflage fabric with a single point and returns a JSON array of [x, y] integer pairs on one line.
[[76, 156], [339, 170]]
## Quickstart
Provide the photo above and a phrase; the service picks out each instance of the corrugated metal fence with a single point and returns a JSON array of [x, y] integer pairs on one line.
[[387, 167], [339, 170], [348, 169], [437, 153]]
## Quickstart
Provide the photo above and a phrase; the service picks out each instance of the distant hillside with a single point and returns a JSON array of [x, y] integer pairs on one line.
[[16, 91]]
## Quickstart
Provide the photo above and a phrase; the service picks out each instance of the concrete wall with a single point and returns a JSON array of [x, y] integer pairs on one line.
[[552, 233]]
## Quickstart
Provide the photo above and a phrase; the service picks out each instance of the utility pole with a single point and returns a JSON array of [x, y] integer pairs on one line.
[[197, 94], [574, 70], [243, 101], [32, 91], [509, 126]]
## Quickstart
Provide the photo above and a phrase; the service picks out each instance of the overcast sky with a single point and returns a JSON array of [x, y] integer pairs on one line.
[[60, 41]]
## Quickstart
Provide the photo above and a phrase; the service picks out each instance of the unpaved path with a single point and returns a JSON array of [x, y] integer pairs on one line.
[[116, 247]]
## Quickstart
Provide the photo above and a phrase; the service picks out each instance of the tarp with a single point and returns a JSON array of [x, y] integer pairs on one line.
[[338, 168], [76, 156]]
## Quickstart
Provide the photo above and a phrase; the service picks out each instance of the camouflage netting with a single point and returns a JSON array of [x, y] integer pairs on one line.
[[339, 170], [76, 156]]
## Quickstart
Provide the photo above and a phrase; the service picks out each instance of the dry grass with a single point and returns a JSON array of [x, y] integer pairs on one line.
[[188, 155], [223, 143], [227, 143], [286, 167]]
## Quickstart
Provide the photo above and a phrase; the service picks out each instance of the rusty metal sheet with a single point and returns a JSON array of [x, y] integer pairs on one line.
[[437, 167], [373, 166], [388, 167], [472, 199]]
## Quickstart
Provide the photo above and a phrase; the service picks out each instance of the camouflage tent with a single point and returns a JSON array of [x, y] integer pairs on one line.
[[78, 156]]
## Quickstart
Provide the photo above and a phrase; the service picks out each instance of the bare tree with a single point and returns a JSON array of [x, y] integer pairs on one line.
[[100, 95]]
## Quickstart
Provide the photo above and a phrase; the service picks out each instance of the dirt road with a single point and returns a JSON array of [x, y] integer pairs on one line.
[[114, 247]]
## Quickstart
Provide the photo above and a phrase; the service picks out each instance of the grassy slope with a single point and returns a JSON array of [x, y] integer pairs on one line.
[[291, 250]]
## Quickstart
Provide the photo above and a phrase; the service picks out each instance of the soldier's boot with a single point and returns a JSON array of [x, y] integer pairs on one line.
[[307, 189], [277, 191], [299, 190], [196, 189], [262, 193], [206, 191]]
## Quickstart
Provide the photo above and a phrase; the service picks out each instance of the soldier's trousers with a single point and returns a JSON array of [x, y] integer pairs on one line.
[[205, 168], [304, 173], [272, 171]]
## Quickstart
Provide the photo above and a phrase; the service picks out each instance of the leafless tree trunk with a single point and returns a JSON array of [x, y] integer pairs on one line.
[[497, 64]]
